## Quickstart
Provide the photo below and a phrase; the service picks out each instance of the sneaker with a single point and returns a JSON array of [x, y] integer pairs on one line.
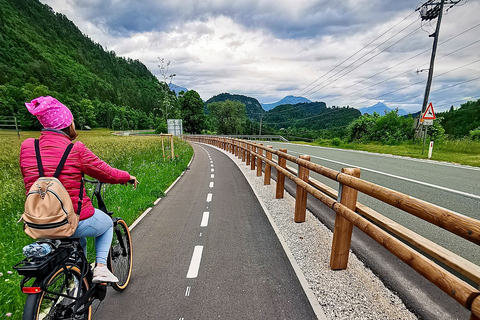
[[102, 274]]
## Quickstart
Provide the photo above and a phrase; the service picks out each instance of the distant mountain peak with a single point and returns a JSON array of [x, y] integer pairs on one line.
[[380, 108], [176, 89], [287, 100]]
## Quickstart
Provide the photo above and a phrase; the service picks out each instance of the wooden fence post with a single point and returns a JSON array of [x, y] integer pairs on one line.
[[247, 156], [301, 194], [243, 151], [252, 161], [163, 147], [268, 168], [282, 162], [342, 232], [172, 147], [259, 161]]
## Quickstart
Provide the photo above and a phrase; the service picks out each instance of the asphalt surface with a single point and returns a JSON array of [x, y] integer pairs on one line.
[[228, 266]]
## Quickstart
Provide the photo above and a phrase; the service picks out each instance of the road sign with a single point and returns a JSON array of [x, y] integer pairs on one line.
[[428, 122], [429, 113]]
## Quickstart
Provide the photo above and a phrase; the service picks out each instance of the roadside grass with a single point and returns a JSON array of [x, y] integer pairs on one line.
[[465, 151], [142, 156]]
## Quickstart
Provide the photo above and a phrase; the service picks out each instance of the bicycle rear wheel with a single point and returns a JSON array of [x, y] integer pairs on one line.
[[56, 303], [121, 261]]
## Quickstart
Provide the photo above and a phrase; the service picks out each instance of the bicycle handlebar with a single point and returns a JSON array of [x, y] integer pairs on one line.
[[132, 181]]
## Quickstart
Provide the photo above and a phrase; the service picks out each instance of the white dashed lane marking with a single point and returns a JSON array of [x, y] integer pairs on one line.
[[195, 262], [205, 217]]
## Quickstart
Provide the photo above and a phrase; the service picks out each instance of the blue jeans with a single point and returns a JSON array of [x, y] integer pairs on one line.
[[99, 226]]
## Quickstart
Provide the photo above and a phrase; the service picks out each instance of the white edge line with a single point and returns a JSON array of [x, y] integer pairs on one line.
[[137, 221], [317, 308]]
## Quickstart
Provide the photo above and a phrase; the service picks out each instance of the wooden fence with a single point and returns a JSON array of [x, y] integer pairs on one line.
[[11, 123], [350, 213]]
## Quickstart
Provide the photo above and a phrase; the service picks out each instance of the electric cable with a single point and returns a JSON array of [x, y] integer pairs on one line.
[[357, 52]]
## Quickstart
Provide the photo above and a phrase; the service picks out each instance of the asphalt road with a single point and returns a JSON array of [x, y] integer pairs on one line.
[[450, 186], [207, 251]]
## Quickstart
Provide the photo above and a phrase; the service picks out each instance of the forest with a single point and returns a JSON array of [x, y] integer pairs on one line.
[[44, 53]]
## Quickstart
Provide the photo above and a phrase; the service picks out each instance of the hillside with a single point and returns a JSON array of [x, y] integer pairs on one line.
[[252, 106], [287, 100], [44, 53], [311, 116], [458, 123]]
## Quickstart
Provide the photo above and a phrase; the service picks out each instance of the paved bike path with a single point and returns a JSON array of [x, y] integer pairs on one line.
[[207, 251]]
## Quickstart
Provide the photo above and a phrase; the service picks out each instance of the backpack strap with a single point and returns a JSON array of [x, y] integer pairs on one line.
[[80, 196], [39, 159], [63, 160]]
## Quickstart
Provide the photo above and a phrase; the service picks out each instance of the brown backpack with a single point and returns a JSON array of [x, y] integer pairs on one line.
[[49, 212]]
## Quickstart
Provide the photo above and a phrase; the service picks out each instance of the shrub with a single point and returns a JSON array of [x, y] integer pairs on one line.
[[162, 127], [336, 142], [475, 134]]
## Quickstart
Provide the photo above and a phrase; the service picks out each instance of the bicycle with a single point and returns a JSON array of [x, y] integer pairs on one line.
[[59, 285]]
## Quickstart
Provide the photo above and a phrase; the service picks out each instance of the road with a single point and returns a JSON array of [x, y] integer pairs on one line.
[[207, 251], [450, 186]]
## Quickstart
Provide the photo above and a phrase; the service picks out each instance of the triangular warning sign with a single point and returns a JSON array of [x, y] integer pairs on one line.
[[429, 113]]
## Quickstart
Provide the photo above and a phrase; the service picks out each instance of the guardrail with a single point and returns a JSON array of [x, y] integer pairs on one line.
[[258, 137], [350, 213]]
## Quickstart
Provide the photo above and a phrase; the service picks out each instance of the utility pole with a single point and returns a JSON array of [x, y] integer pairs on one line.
[[430, 10]]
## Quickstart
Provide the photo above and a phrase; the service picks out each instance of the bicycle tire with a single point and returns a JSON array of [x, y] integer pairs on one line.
[[46, 306], [121, 261]]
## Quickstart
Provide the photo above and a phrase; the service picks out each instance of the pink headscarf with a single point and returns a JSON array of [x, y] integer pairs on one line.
[[50, 112]]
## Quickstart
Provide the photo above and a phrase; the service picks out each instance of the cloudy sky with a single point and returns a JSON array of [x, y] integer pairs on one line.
[[350, 52]]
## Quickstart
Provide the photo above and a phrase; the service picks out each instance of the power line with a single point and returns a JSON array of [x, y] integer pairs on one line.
[[414, 31], [302, 119], [356, 53], [404, 61]]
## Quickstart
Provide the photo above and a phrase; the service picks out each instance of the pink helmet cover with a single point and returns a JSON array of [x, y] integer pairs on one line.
[[51, 113]]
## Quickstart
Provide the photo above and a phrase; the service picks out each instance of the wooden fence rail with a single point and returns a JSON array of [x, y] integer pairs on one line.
[[344, 204]]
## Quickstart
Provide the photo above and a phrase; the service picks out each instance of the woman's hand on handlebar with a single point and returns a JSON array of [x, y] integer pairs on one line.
[[133, 181]]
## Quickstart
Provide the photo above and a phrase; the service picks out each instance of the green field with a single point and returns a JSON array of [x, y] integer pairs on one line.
[[142, 156]]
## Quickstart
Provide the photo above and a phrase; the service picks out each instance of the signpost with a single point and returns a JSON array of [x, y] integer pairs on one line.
[[427, 120]]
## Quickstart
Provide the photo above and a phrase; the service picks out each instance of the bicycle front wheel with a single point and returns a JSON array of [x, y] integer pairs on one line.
[[56, 303], [121, 261]]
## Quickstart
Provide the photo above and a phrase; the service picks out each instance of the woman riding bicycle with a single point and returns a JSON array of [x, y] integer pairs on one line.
[[58, 133]]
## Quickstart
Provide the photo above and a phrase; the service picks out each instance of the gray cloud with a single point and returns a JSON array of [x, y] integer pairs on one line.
[[270, 48]]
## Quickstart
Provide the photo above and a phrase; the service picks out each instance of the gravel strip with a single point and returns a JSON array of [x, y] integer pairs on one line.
[[354, 293]]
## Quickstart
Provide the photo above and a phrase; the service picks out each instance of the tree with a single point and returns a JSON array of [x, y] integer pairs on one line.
[[229, 117], [193, 116]]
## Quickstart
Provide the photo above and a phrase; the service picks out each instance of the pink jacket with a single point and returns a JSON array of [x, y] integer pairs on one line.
[[80, 160]]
